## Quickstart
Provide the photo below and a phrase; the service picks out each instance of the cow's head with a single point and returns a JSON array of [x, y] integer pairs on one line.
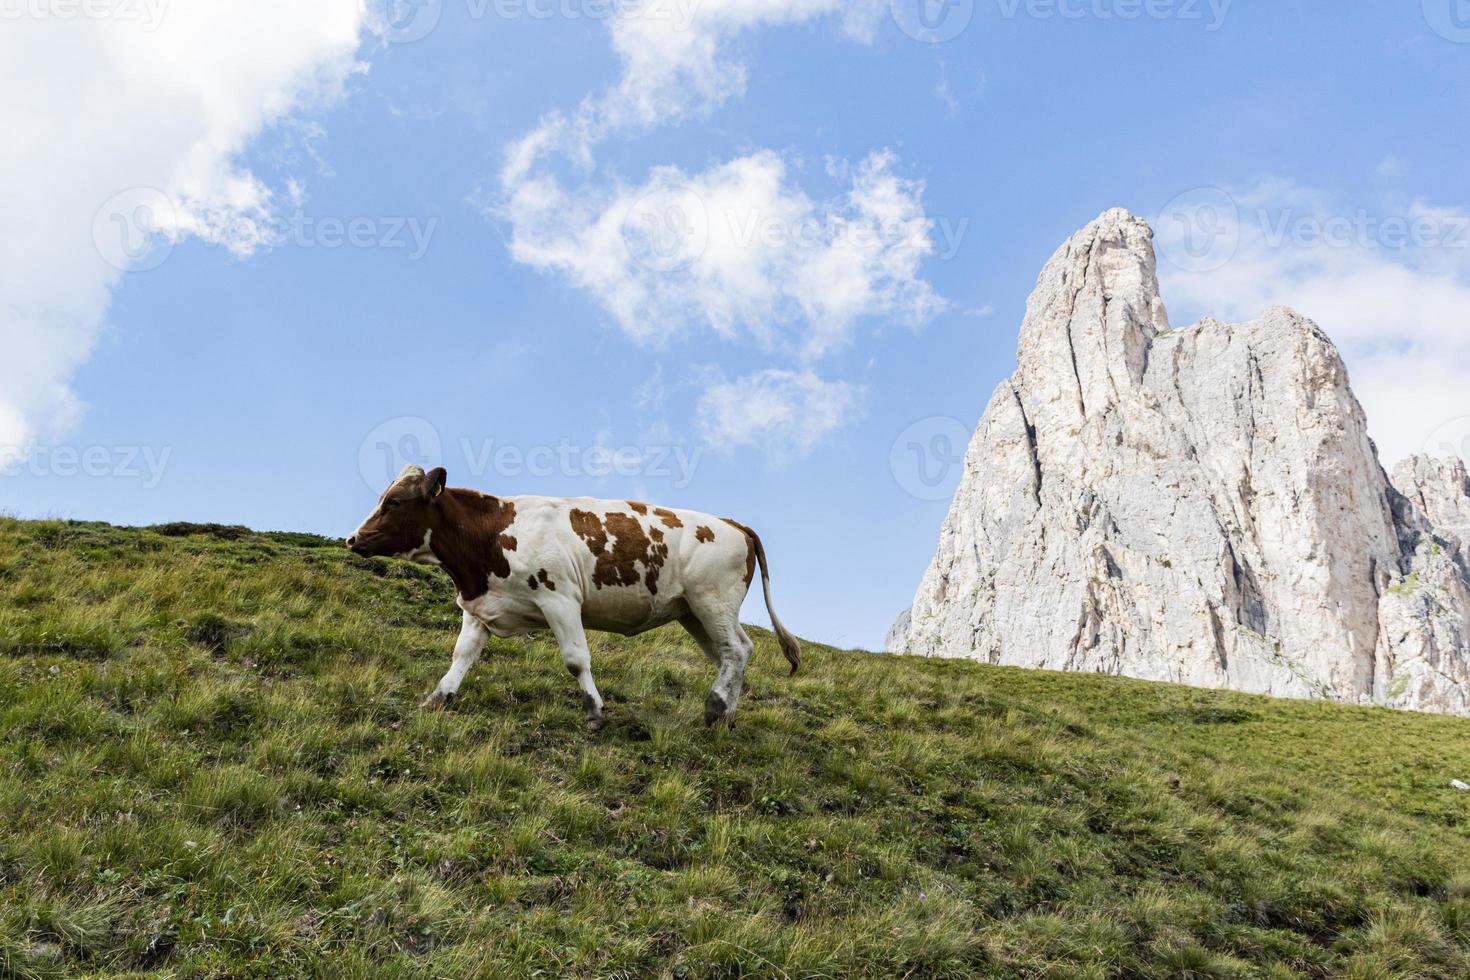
[[399, 527]]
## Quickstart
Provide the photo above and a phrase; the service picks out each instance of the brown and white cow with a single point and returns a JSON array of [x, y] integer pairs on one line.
[[525, 563]]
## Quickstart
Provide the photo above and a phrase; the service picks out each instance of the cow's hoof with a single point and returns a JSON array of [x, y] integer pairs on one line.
[[594, 713], [714, 708], [437, 700]]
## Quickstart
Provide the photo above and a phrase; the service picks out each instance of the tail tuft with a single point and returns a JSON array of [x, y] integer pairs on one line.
[[790, 649]]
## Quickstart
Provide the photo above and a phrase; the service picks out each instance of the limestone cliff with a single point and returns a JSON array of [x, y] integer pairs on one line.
[[1200, 505]]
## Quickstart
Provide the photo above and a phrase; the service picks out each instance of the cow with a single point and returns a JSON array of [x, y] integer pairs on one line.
[[576, 563]]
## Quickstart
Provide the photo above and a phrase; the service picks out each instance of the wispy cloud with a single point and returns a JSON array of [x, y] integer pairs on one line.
[[739, 248], [783, 412]]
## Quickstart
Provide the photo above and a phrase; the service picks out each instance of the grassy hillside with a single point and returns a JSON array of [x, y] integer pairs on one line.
[[211, 765]]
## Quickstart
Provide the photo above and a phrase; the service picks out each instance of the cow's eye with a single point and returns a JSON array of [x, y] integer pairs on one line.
[[389, 504]]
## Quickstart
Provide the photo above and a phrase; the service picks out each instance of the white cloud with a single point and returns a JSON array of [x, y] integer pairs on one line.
[[676, 63], [96, 107], [1392, 168], [738, 248], [781, 411], [1390, 284]]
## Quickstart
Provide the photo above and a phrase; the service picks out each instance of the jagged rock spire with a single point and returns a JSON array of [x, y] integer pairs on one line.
[[1201, 506]]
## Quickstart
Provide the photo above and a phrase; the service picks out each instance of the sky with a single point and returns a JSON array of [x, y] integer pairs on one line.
[[762, 258]]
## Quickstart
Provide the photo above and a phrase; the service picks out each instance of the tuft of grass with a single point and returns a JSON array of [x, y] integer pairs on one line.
[[211, 765]]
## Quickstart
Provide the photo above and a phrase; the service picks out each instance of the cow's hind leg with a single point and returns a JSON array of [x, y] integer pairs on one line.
[[467, 649], [565, 620], [701, 636], [717, 630]]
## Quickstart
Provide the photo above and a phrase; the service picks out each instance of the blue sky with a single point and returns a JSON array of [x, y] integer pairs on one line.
[[812, 375]]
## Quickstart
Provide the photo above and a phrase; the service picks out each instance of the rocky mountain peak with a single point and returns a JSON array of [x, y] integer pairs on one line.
[[1200, 505]]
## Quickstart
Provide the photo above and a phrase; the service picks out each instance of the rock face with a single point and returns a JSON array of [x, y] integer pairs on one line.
[[1200, 505]]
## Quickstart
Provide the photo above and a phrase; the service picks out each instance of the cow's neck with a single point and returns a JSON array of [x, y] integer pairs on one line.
[[468, 535]]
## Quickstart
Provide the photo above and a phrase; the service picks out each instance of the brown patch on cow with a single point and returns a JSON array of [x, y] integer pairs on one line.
[[669, 518], [703, 534], [657, 552], [469, 538], [588, 527], [546, 580], [630, 547], [640, 509], [749, 548], [656, 534], [531, 581]]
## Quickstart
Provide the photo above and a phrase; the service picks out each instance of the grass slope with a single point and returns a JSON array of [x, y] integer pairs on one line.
[[211, 765]]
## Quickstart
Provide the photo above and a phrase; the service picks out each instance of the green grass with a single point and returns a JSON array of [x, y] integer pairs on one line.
[[211, 765]]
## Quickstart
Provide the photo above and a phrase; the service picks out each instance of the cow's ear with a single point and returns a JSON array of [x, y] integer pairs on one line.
[[434, 482]]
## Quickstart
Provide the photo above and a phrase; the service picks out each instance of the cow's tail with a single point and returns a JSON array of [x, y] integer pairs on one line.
[[789, 647]]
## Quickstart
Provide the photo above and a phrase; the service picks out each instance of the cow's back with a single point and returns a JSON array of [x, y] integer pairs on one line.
[[632, 565]]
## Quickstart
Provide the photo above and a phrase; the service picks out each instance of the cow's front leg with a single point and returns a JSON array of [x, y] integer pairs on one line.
[[472, 639], [564, 616]]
